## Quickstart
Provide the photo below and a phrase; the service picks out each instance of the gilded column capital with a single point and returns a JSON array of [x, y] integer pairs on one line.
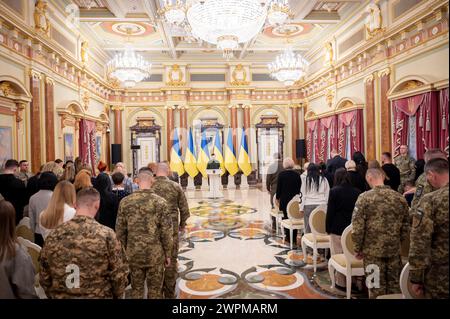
[[384, 72], [49, 81], [369, 79], [117, 108], [35, 75]]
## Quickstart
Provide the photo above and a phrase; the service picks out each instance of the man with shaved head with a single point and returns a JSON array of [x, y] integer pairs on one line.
[[178, 210], [144, 228], [380, 223]]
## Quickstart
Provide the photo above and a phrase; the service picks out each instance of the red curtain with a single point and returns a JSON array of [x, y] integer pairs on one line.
[[444, 122], [425, 108], [327, 126], [87, 143], [354, 120], [312, 140]]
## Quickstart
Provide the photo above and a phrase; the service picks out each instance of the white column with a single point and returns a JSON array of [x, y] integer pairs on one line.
[[231, 184], [205, 186], [244, 183]]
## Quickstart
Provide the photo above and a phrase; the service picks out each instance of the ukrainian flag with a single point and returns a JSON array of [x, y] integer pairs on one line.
[[230, 156], [203, 156], [244, 159], [176, 164], [190, 161], [218, 152]]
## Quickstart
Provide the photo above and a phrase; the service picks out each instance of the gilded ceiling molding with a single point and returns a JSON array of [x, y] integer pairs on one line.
[[35, 75], [176, 76], [239, 76]]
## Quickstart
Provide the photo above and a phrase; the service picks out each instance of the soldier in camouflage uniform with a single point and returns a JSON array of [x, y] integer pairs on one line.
[[179, 212], [144, 227], [406, 166], [428, 254], [82, 258], [380, 222]]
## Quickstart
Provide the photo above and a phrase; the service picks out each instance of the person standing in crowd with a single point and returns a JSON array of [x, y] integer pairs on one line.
[[314, 192], [335, 162], [59, 162], [82, 180], [128, 181], [273, 171], [361, 165], [144, 227], [109, 202], [405, 164], [39, 202], [324, 172], [118, 189], [288, 185], [16, 267], [78, 163], [102, 167], [24, 173], [341, 203], [179, 210], [173, 176], [380, 223], [374, 164], [428, 254], [391, 171], [423, 187], [69, 173], [60, 209], [32, 185], [87, 248], [13, 189], [355, 178]]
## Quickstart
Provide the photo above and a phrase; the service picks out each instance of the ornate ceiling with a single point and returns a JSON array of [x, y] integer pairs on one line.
[[105, 23]]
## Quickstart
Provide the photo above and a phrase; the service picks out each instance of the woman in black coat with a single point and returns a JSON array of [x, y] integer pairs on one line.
[[341, 203], [109, 202]]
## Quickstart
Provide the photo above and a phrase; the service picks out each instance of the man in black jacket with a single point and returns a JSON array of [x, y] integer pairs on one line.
[[335, 162], [391, 171], [13, 189], [273, 171]]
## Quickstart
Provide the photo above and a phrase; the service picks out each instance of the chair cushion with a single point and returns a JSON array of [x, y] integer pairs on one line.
[[391, 296], [341, 260], [320, 239], [293, 222]]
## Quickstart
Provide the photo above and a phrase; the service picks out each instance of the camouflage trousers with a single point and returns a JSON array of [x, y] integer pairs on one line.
[[436, 282], [171, 272], [389, 275], [152, 275]]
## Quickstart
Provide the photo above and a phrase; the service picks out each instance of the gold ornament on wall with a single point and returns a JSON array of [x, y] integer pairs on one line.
[[86, 97], [373, 21], [239, 76], [176, 76], [329, 54], [41, 20], [6, 89], [329, 97], [84, 54]]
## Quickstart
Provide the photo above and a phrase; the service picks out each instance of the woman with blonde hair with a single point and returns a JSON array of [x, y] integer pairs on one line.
[[60, 208], [16, 267], [82, 180]]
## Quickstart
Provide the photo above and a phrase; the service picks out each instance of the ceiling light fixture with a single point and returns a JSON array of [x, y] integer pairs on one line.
[[288, 67]]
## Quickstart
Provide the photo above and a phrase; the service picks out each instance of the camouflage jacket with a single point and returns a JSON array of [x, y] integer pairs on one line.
[[176, 200], [83, 246], [144, 228], [422, 188], [405, 165], [429, 234], [380, 222]]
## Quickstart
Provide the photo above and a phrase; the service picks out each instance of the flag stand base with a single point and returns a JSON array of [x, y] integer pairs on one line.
[[231, 184], [190, 185], [205, 186], [244, 183]]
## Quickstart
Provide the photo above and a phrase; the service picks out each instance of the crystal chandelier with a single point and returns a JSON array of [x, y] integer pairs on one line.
[[129, 67], [279, 12], [225, 23], [288, 67]]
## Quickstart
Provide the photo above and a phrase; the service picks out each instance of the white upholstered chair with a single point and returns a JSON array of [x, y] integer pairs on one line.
[[23, 229], [346, 263], [318, 238], [405, 286], [34, 251], [278, 215], [294, 221]]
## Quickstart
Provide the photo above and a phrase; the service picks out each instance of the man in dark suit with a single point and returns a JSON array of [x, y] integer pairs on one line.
[[335, 162], [272, 177], [13, 189]]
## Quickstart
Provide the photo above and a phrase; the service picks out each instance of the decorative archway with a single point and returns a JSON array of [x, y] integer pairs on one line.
[[409, 86]]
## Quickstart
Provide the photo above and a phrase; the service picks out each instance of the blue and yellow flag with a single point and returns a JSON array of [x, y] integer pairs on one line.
[[190, 160], [176, 163], [203, 156], [217, 150], [244, 158], [230, 156]]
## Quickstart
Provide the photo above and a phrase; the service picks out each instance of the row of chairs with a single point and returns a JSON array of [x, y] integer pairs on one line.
[[344, 263]]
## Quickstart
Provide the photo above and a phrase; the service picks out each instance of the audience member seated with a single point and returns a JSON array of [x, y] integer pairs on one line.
[[39, 202], [82, 180], [273, 171], [341, 203], [109, 202], [83, 245], [313, 193], [335, 162], [60, 208], [13, 189], [355, 178], [118, 188], [16, 267], [391, 171]]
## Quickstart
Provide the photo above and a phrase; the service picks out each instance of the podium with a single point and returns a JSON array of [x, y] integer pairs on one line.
[[214, 183]]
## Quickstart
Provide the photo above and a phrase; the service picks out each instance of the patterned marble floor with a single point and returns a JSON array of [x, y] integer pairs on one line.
[[230, 251]]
